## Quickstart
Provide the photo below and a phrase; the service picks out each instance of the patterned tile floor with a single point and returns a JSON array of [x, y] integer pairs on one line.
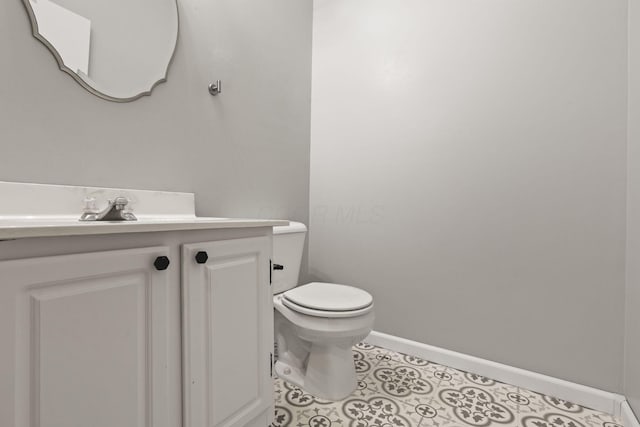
[[396, 390]]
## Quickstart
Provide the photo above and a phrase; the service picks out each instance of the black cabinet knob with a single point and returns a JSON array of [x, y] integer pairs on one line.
[[278, 267], [161, 263], [202, 257]]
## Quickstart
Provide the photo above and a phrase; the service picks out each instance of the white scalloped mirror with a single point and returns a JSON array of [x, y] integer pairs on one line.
[[119, 50]]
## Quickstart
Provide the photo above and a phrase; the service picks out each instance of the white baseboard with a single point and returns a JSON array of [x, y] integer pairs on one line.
[[589, 397], [629, 419]]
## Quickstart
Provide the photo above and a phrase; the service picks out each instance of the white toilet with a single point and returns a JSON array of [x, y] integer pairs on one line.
[[315, 324]]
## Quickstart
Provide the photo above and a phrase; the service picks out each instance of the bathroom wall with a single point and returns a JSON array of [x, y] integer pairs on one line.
[[244, 153], [468, 169], [632, 343]]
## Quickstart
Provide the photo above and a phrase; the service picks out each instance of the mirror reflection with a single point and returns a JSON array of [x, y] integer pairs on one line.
[[117, 49]]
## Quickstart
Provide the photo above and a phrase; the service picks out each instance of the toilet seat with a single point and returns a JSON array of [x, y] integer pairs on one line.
[[326, 314], [328, 300]]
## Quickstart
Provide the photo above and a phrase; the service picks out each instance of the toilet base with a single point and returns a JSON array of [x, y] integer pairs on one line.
[[330, 372]]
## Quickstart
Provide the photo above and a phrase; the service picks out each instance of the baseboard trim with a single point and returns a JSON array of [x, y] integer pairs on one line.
[[590, 397], [629, 418]]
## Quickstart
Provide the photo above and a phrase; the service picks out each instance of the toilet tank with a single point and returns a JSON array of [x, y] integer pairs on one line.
[[288, 244]]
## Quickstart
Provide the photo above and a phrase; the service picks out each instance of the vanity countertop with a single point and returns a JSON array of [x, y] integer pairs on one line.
[[18, 228], [43, 210]]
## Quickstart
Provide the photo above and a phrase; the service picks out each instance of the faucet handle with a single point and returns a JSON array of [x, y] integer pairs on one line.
[[90, 205], [120, 202]]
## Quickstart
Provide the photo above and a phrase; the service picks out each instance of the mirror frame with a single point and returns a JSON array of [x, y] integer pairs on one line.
[[36, 33]]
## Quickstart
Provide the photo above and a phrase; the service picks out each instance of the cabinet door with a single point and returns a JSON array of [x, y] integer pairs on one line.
[[228, 332], [83, 340]]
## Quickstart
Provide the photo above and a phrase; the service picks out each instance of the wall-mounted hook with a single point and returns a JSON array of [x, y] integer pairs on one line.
[[215, 88]]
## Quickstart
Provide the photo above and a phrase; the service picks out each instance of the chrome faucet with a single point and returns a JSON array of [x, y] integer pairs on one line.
[[115, 211]]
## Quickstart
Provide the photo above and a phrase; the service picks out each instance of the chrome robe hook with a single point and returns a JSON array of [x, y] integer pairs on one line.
[[215, 88]]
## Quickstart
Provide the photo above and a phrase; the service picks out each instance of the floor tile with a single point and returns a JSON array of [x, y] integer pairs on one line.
[[398, 390], [293, 397], [366, 357], [372, 354], [585, 417], [400, 381], [431, 411]]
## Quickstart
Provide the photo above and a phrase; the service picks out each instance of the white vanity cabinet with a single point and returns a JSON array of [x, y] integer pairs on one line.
[[228, 333], [85, 340], [113, 337]]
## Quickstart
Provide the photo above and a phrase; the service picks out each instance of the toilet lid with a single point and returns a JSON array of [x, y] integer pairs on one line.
[[329, 297]]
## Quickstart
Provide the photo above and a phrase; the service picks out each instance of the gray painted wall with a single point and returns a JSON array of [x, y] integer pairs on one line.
[[632, 344], [244, 153], [468, 169]]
